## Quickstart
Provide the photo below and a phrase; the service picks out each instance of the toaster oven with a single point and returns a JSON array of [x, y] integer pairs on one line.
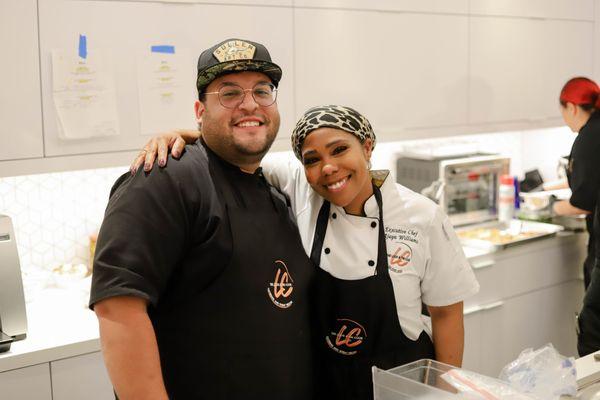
[[465, 186]]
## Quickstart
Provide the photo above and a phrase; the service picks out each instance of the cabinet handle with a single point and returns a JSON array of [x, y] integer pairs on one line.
[[485, 307], [483, 264]]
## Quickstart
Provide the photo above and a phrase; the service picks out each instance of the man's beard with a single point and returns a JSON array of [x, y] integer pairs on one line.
[[222, 140], [245, 150]]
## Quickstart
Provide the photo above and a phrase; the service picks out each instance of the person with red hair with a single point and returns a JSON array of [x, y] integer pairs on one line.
[[580, 102]]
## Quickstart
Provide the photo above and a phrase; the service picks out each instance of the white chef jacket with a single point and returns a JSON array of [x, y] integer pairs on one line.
[[426, 262]]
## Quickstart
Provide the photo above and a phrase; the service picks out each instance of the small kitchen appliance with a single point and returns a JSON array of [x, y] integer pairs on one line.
[[466, 185], [13, 319]]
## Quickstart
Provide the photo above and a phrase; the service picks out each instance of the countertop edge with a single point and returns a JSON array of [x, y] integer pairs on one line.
[[48, 354]]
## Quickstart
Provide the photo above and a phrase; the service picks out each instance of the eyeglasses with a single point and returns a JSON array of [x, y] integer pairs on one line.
[[231, 96]]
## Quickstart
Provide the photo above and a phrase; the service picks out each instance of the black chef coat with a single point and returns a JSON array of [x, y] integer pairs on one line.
[[588, 335], [173, 237], [584, 179]]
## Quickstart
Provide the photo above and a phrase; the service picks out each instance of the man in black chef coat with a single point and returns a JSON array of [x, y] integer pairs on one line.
[[200, 281]]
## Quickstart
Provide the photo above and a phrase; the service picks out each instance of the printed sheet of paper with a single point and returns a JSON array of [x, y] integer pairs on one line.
[[166, 82], [84, 94]]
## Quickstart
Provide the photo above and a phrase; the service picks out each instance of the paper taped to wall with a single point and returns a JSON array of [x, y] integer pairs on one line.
[[166, 89], [84, 94]]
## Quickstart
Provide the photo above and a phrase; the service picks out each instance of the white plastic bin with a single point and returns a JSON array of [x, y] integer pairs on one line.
[[420, 379]]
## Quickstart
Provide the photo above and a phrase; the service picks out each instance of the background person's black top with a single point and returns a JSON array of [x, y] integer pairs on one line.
[[584, 180], [588, 338], [204, 243]]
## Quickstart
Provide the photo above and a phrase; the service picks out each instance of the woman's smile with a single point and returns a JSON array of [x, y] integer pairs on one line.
[[336, 167], [339, 185]]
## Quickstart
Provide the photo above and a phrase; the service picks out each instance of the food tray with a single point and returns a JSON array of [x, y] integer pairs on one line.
[[498, 235]]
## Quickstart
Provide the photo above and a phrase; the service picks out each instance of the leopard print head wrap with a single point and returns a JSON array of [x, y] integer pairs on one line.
[[332, 116]]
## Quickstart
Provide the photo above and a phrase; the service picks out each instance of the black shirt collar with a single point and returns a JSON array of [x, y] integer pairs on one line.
[[227, 165], [593, 120]]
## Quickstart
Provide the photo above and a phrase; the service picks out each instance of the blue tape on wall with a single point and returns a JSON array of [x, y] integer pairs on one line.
[[163, 49], [82, 46]]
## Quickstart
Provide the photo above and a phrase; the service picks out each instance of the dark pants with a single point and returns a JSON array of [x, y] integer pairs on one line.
[[588, 267], [588, 339]]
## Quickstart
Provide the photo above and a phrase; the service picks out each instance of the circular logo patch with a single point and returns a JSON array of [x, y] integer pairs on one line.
[[401, 257], [281, 288], [346, 337]]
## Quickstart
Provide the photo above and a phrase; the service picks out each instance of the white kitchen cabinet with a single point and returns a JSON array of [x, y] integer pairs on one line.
[[537, 265], [30, 383], [400, 70], [518, 67], [530, 321], [559, 9], [128, 30], [473, 340], [529, 296], [439, 6], [81, 377], [496, 333], [20, 101]]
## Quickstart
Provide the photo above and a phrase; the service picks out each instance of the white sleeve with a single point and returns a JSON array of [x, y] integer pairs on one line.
[[285, 172], [448, 277]]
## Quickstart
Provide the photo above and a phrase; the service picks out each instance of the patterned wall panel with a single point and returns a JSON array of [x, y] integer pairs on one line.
[[54, 214]]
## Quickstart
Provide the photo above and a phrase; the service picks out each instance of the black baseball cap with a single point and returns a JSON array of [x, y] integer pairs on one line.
[[235, 55]]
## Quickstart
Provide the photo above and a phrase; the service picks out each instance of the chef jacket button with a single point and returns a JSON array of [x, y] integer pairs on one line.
[[334, 215], [371, 263], [327, 251], [373, 224]]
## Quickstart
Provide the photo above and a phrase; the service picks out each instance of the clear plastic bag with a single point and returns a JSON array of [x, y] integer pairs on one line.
[[474, 386], [542, 374]]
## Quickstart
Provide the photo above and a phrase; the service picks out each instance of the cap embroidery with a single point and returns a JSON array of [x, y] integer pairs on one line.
[[234, 50]]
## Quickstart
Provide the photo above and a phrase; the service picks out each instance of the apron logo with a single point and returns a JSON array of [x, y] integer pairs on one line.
[[346, 339], [401, 257], [282, 287]]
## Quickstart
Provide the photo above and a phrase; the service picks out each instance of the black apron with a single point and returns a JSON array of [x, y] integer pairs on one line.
[[357, 324], [588, 333], [253, 321], [588, 264]]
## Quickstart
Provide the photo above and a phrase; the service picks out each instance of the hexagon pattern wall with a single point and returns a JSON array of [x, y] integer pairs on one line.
[[54, 214]]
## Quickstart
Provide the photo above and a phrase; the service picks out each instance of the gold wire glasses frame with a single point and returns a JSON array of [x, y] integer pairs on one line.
[[231, 96]]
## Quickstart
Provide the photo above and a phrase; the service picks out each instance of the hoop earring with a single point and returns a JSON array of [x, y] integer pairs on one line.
[[369, 165]]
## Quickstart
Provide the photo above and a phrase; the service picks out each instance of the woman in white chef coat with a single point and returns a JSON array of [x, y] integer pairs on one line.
[[383, 251]]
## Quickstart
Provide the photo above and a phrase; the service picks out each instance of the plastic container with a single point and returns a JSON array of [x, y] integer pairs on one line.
[[506, 198], [417, 380]]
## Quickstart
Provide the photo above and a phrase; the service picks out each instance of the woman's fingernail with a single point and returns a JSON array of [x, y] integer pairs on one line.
[[147, 167], [162, 162]]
